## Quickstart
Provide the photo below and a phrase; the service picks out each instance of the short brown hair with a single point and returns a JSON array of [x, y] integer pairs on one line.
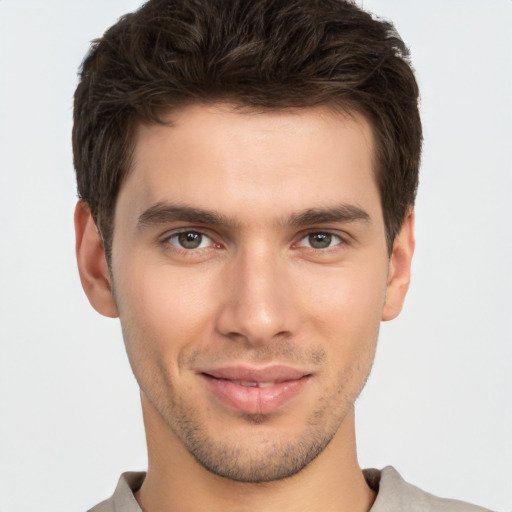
[[264, 54]]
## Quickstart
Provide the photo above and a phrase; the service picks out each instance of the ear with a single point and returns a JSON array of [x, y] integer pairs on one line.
[[399, 274], [92, 264]]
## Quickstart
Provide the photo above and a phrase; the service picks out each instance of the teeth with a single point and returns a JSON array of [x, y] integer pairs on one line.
[[247, 384]]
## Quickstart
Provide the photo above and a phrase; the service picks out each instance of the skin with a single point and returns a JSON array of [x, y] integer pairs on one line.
[[267, 284]]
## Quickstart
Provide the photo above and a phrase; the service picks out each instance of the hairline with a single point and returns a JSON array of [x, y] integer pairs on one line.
[[165, 116]]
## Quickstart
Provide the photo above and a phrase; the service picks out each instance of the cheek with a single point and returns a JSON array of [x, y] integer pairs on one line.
[[345, 312], [162, 313], [166, 298], [348, 300]]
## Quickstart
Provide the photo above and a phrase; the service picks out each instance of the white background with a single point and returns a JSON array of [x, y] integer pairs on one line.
[[438, 404]]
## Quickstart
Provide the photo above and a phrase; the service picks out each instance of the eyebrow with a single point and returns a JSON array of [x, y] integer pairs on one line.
[[164, 213], [343, 213]]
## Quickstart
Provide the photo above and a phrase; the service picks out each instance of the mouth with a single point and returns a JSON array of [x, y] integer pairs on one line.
[[255, 391], [250, 384]]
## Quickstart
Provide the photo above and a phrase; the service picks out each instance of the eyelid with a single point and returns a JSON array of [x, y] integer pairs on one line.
[[166, 238], [343, 239], [204, 239], [319, 232]]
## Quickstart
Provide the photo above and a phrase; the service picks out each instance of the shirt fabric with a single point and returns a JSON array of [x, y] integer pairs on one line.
[[394, 494]]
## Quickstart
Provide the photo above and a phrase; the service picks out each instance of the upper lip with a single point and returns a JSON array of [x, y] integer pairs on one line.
[[274, 373]]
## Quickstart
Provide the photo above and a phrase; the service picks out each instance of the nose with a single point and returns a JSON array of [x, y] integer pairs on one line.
[[257, 300]]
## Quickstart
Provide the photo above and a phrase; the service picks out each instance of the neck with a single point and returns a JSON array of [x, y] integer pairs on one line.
[[176, 481]]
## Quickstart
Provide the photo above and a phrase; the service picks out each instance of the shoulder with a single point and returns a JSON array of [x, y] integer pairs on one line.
[[104, 506], [123, 499], [394, 494]]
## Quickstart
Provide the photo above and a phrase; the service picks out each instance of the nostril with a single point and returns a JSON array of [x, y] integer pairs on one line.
[[281, 334]]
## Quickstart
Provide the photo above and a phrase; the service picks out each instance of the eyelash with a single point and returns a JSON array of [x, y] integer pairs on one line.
[[327, 234], [340, 241], [189, 252]]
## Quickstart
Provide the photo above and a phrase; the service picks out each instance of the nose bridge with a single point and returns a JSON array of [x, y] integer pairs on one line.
[[257, 304]]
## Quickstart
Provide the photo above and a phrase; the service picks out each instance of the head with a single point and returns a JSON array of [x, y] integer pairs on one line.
[[265, 55], [251, 169]]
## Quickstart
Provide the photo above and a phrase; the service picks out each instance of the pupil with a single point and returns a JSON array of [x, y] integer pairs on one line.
[[320, 240], [190, 240]]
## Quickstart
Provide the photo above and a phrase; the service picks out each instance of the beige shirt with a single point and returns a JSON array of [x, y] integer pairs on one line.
[[394, 494]]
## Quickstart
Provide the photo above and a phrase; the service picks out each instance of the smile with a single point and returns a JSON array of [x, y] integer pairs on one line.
[[246, 384], [255, 391]]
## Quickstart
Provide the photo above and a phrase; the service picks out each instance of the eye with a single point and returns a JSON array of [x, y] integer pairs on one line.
[[320, 240], [190, 240]]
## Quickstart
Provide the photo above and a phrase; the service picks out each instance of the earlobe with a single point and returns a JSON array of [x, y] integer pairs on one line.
[[399, 274], [92, 264]]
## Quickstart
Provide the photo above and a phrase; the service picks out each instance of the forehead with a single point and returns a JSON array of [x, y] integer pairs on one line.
[[219, 156]]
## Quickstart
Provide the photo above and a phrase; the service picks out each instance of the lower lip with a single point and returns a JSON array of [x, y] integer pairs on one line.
[[255, 400]]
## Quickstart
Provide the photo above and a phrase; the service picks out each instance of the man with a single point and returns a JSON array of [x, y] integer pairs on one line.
[[247, 174]]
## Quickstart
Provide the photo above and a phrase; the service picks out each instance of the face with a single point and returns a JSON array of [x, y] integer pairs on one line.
[[250, 274]]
